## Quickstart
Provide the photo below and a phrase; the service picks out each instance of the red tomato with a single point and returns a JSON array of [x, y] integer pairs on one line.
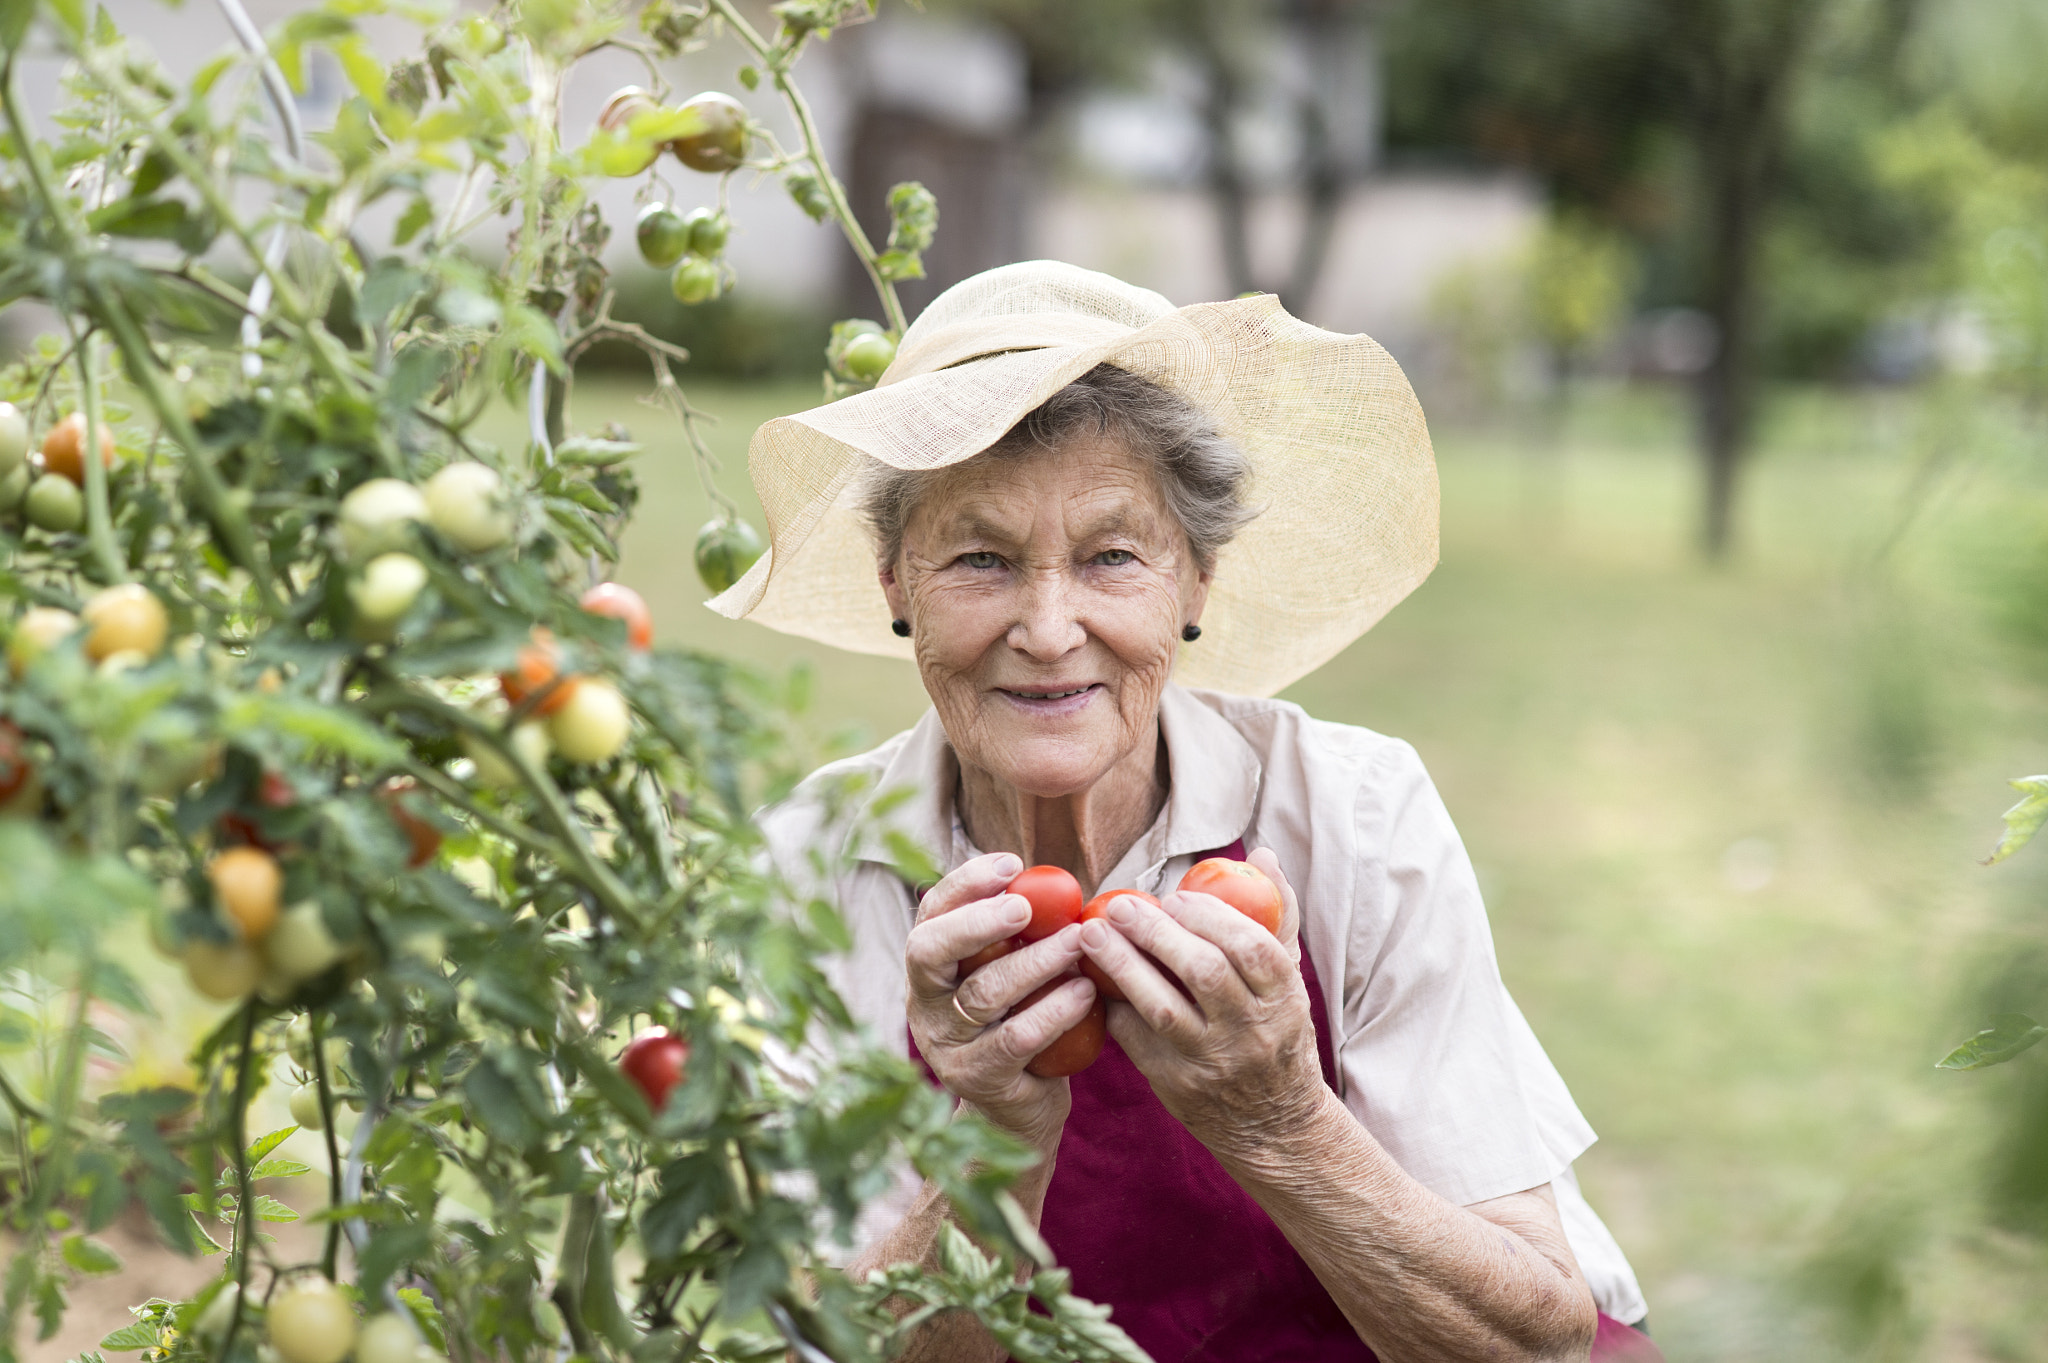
[[621, 602], [424, 837], [1078, 1047], [654, 1061], [14, 765], [276, 792], [1098, 907], [995, 951], [1240, 885], [1055, 900], [537, 669]]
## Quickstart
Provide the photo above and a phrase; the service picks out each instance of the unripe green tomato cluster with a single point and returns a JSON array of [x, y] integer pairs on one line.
[[55, 504], [466, 502], [725, 550], [389, 585], [377, 516], [695, 281], [867, 356]]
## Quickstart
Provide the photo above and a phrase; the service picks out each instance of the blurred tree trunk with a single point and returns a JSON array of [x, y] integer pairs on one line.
[[1742, 58]]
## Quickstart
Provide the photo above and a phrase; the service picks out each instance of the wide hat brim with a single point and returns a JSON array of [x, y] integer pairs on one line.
[[1343, 473]]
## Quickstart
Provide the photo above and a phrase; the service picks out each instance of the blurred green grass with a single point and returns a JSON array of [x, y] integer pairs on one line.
[[1728, 820]]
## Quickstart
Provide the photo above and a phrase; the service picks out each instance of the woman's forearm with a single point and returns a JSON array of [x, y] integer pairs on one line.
[[955, 1336], [1419, 1278]]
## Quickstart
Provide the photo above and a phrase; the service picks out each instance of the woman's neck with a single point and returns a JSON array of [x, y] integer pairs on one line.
[[1087, 832]]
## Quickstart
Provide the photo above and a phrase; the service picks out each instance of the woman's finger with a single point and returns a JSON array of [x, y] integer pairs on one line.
[[1264, 965], [976, 879], [1199, 964], [992, 990], [1158, 1003], [1012, 1043], [1267, 861], [936, 947]]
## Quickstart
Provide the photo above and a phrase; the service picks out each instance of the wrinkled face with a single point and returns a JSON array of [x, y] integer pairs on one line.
[[1046, 594]]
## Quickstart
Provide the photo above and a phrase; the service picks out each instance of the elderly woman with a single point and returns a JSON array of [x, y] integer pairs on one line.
[[1340, 1143]]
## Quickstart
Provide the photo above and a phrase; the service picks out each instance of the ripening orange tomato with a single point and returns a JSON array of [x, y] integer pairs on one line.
[[537, 669], [64, 448], [1240, 885], [621, 602], [247, 884], [1098, 907], [1078, 1046]]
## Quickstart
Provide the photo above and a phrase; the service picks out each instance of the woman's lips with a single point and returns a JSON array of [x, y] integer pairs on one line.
[[1051, 703]]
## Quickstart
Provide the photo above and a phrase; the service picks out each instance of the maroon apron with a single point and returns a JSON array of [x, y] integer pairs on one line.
[[1149, 1223]]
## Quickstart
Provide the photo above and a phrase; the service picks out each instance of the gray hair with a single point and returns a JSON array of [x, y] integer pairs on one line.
[[1202, 474]]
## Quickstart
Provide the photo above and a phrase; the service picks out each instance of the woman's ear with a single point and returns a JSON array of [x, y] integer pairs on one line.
[[1197, 598], [892, 587]]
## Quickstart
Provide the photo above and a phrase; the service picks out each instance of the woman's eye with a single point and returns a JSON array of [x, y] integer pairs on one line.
[[981, 558], [1115, 558]]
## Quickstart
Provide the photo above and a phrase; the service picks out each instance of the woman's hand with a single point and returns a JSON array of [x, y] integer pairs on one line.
[[1238, 1059], [977, 1053]]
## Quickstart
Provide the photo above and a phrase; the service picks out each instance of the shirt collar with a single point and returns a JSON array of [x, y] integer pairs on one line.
[[1213, 776]]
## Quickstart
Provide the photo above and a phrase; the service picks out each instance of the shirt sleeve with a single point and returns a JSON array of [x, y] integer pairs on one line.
[[1435, 1058]]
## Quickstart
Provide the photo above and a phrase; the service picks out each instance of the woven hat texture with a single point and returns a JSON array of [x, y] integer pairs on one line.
[[1343, 472]]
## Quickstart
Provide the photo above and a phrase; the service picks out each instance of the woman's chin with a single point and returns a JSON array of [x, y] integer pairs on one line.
[[1049, 768]]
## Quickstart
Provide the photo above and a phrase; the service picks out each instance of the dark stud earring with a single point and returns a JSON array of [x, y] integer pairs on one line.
[[902, 628], [1191, 632]]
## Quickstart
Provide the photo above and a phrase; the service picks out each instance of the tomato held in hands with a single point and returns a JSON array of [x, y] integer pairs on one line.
[[1055, 900], [994, 951], [621, 602], [537, 669], [1098, 907], [654, 1061], [1240, 885], [1077, 1047]]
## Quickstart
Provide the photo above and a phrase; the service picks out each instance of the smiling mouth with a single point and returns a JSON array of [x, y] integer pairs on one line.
[[1048, 695]]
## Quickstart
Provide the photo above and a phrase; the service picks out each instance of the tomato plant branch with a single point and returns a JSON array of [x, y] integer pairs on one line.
[[330, 1251], [238, 1138], [99, 527], [778, 60]]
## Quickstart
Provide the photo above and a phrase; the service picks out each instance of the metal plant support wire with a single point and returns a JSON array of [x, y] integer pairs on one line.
[[287, 110]]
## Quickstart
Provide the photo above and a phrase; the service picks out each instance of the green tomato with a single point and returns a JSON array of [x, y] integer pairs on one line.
[[387, 1339], [213, 1322], [663, 235], [14, 486], [305, 1106], [594, 724], [300, 946], [311, 1322], [466, 503], [55, 504], [867, 356], [378, 514], [722, 145], [708, 231], [13, 438], [389, 585], [529, 739], [725, 550], [695, 281]]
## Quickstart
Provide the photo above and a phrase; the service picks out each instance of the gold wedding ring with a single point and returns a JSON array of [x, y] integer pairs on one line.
[[971, 1022]]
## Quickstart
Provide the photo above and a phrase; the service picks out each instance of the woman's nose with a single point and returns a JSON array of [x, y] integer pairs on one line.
[[1047, 626]]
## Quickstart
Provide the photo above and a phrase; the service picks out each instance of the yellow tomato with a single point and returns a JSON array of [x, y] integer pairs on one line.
[[311, 1322], [222, 970], [125, 619], [246, 884]]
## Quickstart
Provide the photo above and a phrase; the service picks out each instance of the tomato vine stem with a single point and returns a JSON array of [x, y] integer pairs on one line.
[[778, 61]]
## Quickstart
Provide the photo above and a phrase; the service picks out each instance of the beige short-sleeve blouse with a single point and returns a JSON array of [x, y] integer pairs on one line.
[[1434, 1059]]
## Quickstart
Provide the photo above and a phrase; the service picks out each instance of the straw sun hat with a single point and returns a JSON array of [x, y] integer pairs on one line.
[[1341, 464]]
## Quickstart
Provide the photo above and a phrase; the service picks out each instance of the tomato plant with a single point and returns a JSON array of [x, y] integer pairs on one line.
[[1242, 886], [1055, 898], [312, 695]]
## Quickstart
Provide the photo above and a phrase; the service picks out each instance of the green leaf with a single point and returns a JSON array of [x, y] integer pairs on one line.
[[141, 1335], [427, 1316], [280, 1168], [263, 1145], [2009, 1034], [270, 1209], [2024, 819], [90, 1256]]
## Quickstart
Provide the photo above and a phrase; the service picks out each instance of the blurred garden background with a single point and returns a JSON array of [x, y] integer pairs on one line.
[[1731, 317]]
